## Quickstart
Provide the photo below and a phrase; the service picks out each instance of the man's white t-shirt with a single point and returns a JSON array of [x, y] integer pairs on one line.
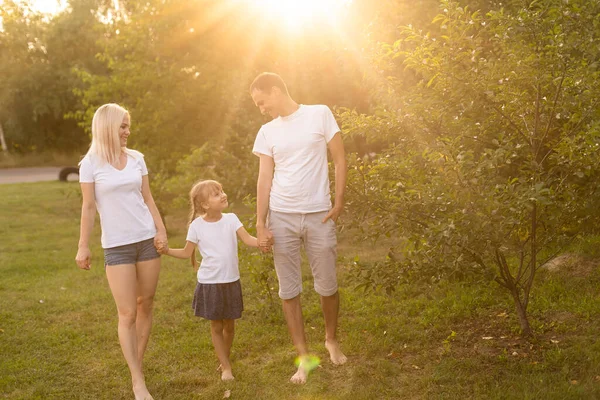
[[124, 215], [298, 145], [217, 242]]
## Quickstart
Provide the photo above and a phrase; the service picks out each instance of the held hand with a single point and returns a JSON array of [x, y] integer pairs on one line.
[[83, 258], [164, 249], [160, 241], [265, 239], [333, 214]]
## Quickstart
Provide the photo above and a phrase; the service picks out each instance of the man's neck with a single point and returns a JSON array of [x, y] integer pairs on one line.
[[288, 108]]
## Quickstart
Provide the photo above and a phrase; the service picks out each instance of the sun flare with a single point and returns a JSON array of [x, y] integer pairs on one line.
[[296, 14]]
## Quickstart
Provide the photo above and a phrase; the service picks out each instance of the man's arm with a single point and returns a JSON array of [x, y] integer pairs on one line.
[[338, 154], [263, 191]]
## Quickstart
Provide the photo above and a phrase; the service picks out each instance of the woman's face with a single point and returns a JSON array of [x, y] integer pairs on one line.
[[124, 131]]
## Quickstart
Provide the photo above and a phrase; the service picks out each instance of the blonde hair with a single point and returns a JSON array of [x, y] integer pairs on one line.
[[199, 194], [106, 144]]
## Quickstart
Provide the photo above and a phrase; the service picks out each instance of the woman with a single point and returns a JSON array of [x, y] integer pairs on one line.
[[114, 181]]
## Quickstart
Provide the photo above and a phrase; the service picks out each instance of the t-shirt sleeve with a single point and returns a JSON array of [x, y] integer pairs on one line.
[[86, 171], [260, 145], [330, 126], [143, 164], [192, 235], [235, 222]]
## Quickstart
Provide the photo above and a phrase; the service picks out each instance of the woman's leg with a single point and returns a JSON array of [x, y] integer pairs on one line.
[[147, 280], [216, 332], [122, 280]]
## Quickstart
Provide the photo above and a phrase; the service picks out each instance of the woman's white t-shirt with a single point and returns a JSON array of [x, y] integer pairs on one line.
[[217, 242], [124, 215], [298, 145]]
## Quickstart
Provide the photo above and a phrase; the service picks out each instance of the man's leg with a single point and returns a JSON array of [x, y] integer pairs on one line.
[[331, 307], [320, 243], [286, 254]]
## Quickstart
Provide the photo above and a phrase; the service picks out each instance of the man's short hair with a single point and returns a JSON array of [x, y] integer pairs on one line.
[[265, 81]]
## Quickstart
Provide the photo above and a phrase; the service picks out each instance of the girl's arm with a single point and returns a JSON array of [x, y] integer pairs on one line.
[[246, 237], [161, 232], [184, 253], [88, 214]]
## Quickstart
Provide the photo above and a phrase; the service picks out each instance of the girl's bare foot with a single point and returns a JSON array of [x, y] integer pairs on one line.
[[141, 392], [335, 354], [226, 375]]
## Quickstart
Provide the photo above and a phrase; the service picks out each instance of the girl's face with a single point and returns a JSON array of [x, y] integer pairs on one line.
[[217, 201], [124, 131]]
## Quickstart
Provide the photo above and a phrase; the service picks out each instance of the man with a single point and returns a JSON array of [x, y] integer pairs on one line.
[[294, 205]]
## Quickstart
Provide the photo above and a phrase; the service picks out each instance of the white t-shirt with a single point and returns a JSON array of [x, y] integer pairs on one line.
[[124, 216], [298, 145], [217, 242]]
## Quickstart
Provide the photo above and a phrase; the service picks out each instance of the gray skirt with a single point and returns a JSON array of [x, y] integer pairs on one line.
[[217, 301]]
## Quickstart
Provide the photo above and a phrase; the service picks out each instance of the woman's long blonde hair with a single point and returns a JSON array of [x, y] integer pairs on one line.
[[199, 195], [106, 144]]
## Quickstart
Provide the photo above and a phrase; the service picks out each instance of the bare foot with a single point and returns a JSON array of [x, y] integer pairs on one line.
[[335, 354], [226, 375], [141, 392], [299, 378], [305, 364]]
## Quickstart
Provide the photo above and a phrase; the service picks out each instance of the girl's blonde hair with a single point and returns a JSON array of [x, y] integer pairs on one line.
[[106, 144], [199, 194]]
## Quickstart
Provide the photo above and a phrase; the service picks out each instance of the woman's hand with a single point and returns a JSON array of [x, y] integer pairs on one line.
[[161, 242], [83, 258]]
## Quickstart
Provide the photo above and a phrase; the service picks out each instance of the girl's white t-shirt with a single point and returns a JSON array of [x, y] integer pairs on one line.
[[217, 242], [298, 145], [124, 215]]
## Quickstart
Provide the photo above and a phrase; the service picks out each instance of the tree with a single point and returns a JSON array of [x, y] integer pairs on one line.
[[492, 161]]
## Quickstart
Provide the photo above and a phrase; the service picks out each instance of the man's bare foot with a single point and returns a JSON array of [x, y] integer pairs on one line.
[[335, 353], [226, 374], [299, 378], [141, 392]]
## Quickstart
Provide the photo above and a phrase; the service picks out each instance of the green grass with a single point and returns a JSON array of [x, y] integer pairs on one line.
[[58, 336]]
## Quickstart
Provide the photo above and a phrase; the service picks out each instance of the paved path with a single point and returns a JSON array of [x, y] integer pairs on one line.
[[20, 175]]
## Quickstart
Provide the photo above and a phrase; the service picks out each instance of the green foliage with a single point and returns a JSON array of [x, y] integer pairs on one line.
[[489, 163]]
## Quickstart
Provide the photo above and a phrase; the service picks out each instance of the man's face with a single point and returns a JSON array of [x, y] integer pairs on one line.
[[267, 102]]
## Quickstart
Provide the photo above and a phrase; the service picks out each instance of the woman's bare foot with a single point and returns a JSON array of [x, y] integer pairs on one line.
[[335, 354], [141, 392]]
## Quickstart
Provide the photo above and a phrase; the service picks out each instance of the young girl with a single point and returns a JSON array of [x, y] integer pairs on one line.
[[218, 295]]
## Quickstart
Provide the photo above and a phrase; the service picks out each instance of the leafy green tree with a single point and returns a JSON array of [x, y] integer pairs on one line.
[[491, 156]]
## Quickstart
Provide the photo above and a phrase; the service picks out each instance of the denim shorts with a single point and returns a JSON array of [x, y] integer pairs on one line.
[[131, 253]]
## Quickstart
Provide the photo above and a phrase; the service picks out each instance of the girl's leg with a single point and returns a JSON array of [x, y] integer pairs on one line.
[[122, 280], [216, 331], [147, 280], [228, 333]]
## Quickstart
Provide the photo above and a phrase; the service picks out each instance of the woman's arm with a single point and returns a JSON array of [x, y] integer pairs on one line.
[[161, 232], [88, 214], [246, 237], [184, 253]]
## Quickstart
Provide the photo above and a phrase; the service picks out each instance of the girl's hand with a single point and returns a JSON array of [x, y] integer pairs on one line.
[[83, 258]]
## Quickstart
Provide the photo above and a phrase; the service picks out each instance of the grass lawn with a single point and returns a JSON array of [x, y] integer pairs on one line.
[[58, 337]]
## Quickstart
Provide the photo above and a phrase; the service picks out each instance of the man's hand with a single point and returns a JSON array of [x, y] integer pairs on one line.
[[265, 238], [333, 214]]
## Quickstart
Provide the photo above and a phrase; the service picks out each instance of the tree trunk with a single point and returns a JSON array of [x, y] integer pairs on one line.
[[522, 314], [2, 141]]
